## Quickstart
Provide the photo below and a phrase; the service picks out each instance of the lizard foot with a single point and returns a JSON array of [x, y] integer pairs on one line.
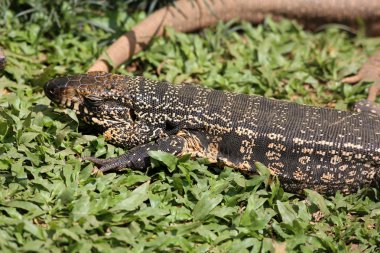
[[138, 157], [370, 71], [109, 163], [367, 106]]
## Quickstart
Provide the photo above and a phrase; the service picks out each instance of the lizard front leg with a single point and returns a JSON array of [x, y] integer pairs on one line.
[[181, 143], [138, 157], [370, 71], [192, 142]]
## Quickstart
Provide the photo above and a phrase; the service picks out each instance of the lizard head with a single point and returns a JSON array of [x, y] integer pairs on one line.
[[99, 98]]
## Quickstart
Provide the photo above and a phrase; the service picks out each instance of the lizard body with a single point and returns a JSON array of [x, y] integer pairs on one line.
[[306, 147]]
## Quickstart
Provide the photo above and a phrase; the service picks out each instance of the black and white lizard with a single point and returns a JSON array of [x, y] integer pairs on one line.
[[306, 147]]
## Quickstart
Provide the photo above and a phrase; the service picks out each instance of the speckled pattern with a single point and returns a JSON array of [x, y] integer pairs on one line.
[[306, 147]]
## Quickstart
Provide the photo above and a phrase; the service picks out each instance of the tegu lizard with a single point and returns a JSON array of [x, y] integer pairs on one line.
[[306, 147]]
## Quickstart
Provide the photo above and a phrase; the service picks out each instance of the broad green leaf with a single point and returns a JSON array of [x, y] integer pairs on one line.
[[286, 211], [318, 200], [81, 208], [205, 205], [168, 159], [135, 199]]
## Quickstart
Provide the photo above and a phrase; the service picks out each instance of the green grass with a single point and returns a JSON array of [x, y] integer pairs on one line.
[[50, 201]]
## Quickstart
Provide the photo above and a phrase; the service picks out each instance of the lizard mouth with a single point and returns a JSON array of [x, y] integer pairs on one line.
[[55, 89], [59, 93]]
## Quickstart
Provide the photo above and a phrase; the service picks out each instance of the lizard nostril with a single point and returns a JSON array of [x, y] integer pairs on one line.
[[49, 91]]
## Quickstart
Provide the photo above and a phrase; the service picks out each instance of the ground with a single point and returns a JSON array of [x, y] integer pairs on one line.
[[50, 201]]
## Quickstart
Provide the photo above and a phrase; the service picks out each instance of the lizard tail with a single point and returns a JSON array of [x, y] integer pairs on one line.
[[190, 15]]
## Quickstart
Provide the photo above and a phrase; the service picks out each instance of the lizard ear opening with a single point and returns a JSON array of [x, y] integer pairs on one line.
[[171, 127], [132, 115]]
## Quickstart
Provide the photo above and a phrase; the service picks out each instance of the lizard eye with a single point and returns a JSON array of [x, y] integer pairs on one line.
[[93, 100]]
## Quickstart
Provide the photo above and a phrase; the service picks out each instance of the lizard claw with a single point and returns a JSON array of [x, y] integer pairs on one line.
[[370, 71]]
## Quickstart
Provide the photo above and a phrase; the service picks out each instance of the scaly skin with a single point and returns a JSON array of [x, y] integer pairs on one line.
[[306, 147]]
